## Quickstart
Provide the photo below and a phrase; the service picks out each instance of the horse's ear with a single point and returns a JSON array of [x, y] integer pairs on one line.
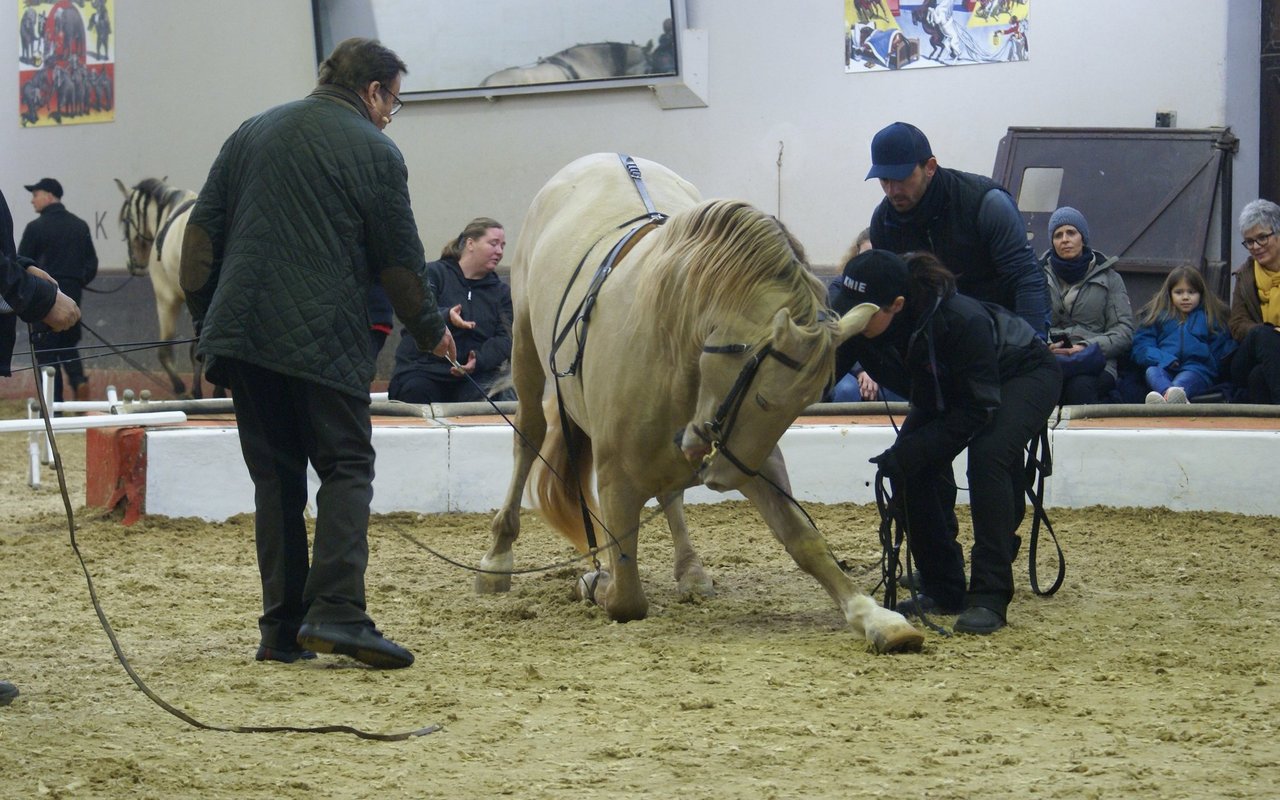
[[855, 321], [123, 190]]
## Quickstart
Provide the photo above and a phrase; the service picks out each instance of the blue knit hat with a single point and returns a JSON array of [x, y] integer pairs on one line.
[[1069, 216]]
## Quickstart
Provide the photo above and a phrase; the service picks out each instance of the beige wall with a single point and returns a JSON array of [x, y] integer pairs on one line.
[[189, 71]]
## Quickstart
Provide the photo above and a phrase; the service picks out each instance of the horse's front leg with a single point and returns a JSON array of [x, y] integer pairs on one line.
[[530, 432], [887, 631], [692, 583]]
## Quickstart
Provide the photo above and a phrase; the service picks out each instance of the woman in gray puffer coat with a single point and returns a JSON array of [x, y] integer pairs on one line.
[[1090, 311]]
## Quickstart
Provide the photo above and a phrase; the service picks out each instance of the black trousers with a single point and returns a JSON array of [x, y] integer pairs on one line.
[[997, 499], [1255, 365], [284, 423], [57, 349], [420, 386]]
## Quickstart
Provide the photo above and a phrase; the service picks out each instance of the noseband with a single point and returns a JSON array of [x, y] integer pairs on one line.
[[720, 426]]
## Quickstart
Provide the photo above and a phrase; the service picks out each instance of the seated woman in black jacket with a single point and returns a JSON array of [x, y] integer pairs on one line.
[[977, 376], [477, 306]]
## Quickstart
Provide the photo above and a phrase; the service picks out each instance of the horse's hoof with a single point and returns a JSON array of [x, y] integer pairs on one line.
[[492, 584], [897, 639], [695, 590]]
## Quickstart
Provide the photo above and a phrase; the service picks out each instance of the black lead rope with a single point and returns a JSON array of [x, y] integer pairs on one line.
[[1040, 466], [124, 660], [895, 531]]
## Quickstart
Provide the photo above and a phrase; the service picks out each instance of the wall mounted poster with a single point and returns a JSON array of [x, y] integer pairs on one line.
[[66, 62], [892, 34]]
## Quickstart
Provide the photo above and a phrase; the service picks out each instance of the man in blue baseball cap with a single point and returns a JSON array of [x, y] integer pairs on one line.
[[968, 221]]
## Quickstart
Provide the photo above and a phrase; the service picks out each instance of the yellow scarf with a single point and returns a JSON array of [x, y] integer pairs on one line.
[[1268, 293]]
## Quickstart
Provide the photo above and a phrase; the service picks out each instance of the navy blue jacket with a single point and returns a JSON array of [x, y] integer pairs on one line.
[[1189, 344], [485, 301]]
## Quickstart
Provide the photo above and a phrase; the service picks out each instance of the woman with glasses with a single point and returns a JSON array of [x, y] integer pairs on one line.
[[1255, 305]]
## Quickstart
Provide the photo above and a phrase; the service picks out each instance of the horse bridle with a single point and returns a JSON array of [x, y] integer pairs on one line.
[[719, 428]]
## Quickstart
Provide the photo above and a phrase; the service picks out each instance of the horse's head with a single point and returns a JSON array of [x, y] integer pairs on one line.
[[139, 218], [767, 339], [750, 393]]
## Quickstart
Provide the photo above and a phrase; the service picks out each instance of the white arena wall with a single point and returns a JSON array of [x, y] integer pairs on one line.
[[189, 71], [198, 471]]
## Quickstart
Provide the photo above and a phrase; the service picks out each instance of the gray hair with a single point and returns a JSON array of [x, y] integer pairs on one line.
[[1260, 214]]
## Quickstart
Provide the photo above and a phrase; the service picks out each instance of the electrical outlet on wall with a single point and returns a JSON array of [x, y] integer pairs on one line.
[[1166, 119]]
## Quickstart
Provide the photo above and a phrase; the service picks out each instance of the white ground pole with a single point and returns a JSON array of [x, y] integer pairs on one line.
[[40, 449]]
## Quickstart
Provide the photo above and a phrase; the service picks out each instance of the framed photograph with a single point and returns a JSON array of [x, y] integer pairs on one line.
[[484, 48]]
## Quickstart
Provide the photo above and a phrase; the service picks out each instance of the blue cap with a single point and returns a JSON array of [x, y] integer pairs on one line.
[[896, 150]]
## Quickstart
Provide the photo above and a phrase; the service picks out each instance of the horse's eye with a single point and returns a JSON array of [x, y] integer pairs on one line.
[[763, 403]]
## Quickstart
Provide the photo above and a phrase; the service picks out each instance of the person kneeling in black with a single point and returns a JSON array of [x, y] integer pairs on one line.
[[977, 377], [477, 306]]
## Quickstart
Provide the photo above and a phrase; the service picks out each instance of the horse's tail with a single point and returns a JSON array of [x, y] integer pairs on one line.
[[553, 489]]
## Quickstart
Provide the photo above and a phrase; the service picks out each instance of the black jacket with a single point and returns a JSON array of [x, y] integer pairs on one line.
[[950, 362], [981, 237], [28, 296], [60, 244], [305, 203], [485, 301]]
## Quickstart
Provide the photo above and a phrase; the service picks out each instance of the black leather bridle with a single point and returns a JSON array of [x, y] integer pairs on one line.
[[717, 430]]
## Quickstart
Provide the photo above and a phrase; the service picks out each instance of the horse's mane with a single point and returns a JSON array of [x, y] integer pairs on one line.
[[148, 192], [718, 261]]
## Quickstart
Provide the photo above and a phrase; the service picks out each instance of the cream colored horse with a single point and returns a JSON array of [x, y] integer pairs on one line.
[[583, 62], [154, 217], [716, 304]]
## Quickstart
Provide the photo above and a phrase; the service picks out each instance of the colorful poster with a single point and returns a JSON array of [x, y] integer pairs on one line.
[[66, 62], [891, 34]]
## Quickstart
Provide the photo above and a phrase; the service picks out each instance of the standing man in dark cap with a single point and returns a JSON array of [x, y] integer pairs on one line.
[[26, 292], [60, 244], [968, 221], [305, 207]]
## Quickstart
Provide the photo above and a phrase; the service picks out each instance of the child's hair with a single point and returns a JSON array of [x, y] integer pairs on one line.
[[863, 237], [1160, 306]]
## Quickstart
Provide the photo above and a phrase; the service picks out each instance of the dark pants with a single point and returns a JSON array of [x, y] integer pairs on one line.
[[57, 349], [284, 423], [997, 501], [1083, 390], [1256, 364], [419, 386]]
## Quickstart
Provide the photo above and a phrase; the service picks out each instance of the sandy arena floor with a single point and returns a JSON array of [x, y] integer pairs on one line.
[[1152, 674]]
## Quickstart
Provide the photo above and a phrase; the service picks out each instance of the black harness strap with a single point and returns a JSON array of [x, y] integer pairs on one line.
[[582, 316]]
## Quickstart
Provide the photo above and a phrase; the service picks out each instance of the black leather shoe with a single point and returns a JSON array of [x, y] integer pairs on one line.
[[7, 692], [922, 603], [360, 640], [283, 656], [979, 621]]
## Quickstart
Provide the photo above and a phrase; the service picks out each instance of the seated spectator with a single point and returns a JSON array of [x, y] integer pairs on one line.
[[1183, 339], [1255, 305], [477, 306], [856, 385], [1091, 322]]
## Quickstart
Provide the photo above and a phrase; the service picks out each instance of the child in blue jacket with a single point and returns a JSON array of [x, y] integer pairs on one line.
[[1182, 338]]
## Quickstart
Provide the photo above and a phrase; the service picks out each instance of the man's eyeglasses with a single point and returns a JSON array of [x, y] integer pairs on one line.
[[396, 105], [1258, 241]]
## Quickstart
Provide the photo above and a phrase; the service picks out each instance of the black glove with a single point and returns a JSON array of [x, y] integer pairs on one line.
[[888, 464]]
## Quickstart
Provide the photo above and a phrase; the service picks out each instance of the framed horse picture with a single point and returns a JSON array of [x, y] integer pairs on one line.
[[486, 48]]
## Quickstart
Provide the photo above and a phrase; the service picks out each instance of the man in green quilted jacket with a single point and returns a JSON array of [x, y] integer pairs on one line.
[[306, 204]]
